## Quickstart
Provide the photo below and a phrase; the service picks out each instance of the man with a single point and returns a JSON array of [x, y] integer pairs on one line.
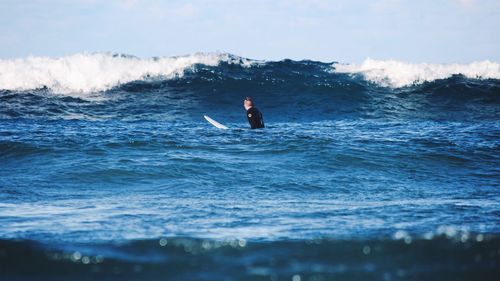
[[253, 114]]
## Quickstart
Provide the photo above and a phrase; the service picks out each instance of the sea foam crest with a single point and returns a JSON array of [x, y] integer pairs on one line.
[[85, 73], [392, 73]]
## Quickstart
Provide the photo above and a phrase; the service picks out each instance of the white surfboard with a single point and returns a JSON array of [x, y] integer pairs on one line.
[[215, 123]]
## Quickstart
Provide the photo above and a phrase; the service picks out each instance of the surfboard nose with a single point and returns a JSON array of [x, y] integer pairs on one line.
[[215, 123]]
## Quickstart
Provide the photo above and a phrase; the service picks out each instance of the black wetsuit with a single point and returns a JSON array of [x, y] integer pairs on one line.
[[255, 118]]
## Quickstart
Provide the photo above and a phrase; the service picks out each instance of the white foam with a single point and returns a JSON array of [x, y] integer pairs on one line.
[[392, 73], [85, 73]]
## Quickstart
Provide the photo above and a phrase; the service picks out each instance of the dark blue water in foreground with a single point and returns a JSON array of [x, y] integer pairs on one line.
[[349, 181]]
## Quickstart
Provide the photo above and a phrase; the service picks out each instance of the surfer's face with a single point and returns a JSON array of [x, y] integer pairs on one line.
[[247, 104]]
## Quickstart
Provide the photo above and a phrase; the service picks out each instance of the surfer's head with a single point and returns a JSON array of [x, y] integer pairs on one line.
[[248, 103]]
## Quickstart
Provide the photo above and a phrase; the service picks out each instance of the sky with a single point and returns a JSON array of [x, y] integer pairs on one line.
[[435, 31]]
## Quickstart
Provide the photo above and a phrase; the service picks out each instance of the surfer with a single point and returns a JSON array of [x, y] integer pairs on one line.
[[253, 114]]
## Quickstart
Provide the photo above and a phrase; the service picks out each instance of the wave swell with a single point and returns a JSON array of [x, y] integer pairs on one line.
[[87, 73]]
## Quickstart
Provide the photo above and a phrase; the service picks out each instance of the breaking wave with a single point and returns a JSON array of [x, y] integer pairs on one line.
[[97, 72], [392, 73]]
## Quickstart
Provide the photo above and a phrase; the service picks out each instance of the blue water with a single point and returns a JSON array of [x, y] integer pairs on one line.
[[344, 163]]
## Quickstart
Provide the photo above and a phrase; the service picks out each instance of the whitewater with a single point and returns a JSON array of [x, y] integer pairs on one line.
[[85, 73]]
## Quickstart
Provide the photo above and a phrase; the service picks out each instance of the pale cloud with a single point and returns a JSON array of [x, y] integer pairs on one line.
[[467, 3], [319, 4], [187, 11], [307, 22], [385, 6], [128, 3], [88, 2], [172, 11]]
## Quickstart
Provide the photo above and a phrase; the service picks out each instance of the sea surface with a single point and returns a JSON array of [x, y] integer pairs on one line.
[[381, 170]]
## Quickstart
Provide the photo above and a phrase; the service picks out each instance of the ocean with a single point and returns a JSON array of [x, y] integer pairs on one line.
[[381, 170]]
